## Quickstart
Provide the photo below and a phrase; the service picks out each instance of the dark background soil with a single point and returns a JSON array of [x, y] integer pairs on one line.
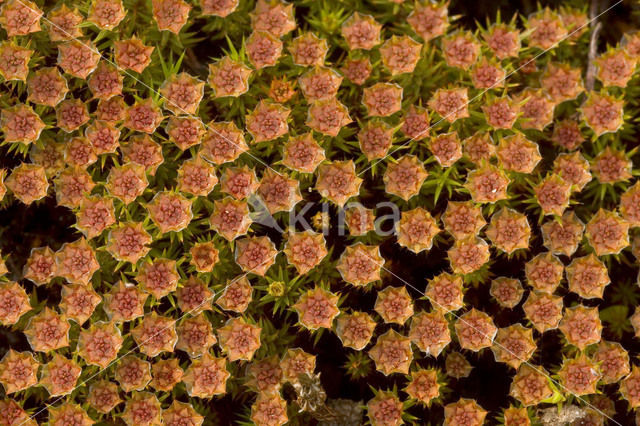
[[43, 223]]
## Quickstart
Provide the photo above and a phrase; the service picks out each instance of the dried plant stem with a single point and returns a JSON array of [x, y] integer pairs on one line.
[[596, 26]]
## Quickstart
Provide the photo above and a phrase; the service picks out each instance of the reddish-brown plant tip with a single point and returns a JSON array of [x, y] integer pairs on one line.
[[430, 179]]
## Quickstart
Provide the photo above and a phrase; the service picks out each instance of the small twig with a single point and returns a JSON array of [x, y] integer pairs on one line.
[[596, 26]]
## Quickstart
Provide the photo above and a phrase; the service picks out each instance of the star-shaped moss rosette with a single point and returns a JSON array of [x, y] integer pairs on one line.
[[450, 104], [613, 361], [124, 302], [128, 242], [514, 345], [67, 412], [581, 326], [59, 376], [361, 31], [355, 329], [255, 255], [446, 148], [430, 332], [166, 373], [103, 396], [302, 153], [328, 116], [170, 15], [543, 310], [14, 60], [382, 99], [587, 276], [509, 230], [170, 211], [338, 181], [295, 363], [20, 123], [400, 54], [12, 411], [206, 377], [579, 375], [106, 14], [611, 166], [46, 86], [269, 409], [239, 339], [317, 308], [155, 334], [78, 58], [142, 149], [95, 214], [41, 266], [603, 113], [278, 192], [475, 330], [544, 272], [488, 74], [424, 386], [228, 77], [607, 232], [507, 291], [132, 373], [457, 365], [464, 411], [394, 305], [305, 250], [204, 256], [143, 408], [629, 387], [468, 256], [429, 20], [275, 17], [230, 218], [615, 67], [385, 408], [195, 335], [182, 92], [263, 49], [180, 412], [79, 302], [463, 219], [392, 353], [416, 230], [127, 182], [461, 49], [47, 331], [530, 386], [320, 83], [487, 184], [99, 344], [445, 291], [14, 301], [132, 54], [518, 154], [18, 371], [236, 296], [194, 296], [404, 177], [360, 264], [308, 49]]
